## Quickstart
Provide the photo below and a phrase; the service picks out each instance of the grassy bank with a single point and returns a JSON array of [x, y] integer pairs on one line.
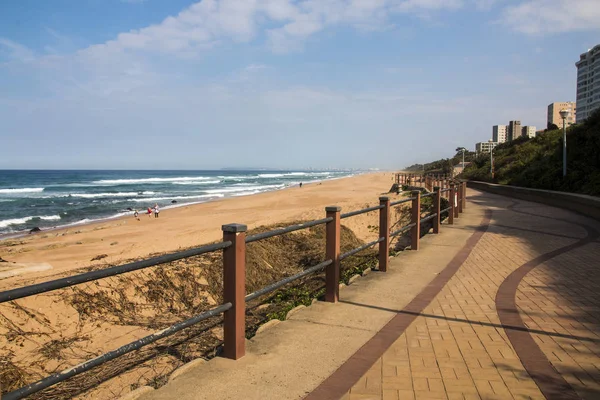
[[537, 162]]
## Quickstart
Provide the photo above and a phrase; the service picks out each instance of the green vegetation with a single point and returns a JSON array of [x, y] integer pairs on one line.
[[537, 162], [443, 166]]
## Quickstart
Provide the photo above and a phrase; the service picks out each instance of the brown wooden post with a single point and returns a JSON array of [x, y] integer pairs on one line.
[[437, 201], [464, 196], [415, 232], [453, 202], [234, 291], [384, 232], [332, 249]]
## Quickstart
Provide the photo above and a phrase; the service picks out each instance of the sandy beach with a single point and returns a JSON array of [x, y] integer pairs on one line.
[[40, 256], [50, 332]]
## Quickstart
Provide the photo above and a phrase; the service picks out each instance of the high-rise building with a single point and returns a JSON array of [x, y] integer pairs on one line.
[[588, 83], [554, 110], [513, 131], [528, 131], [485, 147], [499, 133]]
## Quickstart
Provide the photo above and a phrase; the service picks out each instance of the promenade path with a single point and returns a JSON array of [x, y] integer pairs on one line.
[[504, 304]]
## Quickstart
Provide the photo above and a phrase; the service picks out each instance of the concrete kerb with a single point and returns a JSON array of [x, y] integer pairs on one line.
[[294, 311], [186, 368], [267, 325]]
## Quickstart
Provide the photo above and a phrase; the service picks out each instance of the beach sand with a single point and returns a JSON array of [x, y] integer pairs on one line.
[[125, 238], [49, 332]]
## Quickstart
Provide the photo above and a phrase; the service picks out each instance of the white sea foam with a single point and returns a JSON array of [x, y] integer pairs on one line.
[[120, 194], [200, 196], [149, 180], [271, 175], [196, 182], [22, 190], [245, 188], [20, 221], [237, 177], [246, 193], [50, 217]]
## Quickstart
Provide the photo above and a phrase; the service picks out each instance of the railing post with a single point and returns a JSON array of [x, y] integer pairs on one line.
[[437, 200], [332, 249], [384, 232], [453, 210], [415, 219], [464, 195], [234, 291]]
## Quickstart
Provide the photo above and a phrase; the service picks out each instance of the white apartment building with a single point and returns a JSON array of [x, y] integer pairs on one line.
[[588, 83], [499, 133], [528, 131], [485, 147]]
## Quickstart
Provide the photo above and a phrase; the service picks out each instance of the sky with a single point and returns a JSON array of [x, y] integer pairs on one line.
[[286, 84]]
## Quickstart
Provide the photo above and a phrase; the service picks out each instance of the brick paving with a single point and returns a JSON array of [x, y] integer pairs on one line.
[[519, 319]]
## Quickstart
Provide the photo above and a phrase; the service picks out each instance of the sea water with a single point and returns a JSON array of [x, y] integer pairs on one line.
[[51, 198]]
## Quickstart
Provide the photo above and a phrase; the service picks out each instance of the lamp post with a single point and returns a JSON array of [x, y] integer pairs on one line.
[[463, 158], [491, 158], [564, 114]]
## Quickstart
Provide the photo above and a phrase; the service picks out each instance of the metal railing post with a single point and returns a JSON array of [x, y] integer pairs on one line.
[[461, 195], [234, 291], [437, 200], [415, 231], [384, 232], [453, 209], [464, 195], [332, 249]]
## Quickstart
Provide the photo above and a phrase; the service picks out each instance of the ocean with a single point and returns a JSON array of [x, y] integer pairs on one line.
[[51, 198]]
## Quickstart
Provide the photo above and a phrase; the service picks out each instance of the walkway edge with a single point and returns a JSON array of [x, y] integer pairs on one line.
[[342, 380]]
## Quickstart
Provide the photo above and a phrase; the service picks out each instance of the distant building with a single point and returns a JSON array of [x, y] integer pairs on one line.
[[528, 131], [485, 147], [499, 133], [538, 133], [513, 131], [588, 83], [554, 113]]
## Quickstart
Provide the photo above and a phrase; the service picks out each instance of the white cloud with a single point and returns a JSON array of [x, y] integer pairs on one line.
[[553, 16], [287, 22], [15, 51]]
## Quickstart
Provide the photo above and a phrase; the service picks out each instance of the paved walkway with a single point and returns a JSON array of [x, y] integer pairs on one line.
[[513, 311], [519, 319]]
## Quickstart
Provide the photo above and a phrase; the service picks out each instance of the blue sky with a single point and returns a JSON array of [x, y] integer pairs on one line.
[[157, 84]]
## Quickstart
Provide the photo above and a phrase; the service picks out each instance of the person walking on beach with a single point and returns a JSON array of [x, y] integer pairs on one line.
[[300, 184], [136, 214], [156, 210], [149, 212]]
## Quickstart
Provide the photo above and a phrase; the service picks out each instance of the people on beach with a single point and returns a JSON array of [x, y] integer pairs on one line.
[[156, 210], [136, 214], [149, 212], [300, 184]]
